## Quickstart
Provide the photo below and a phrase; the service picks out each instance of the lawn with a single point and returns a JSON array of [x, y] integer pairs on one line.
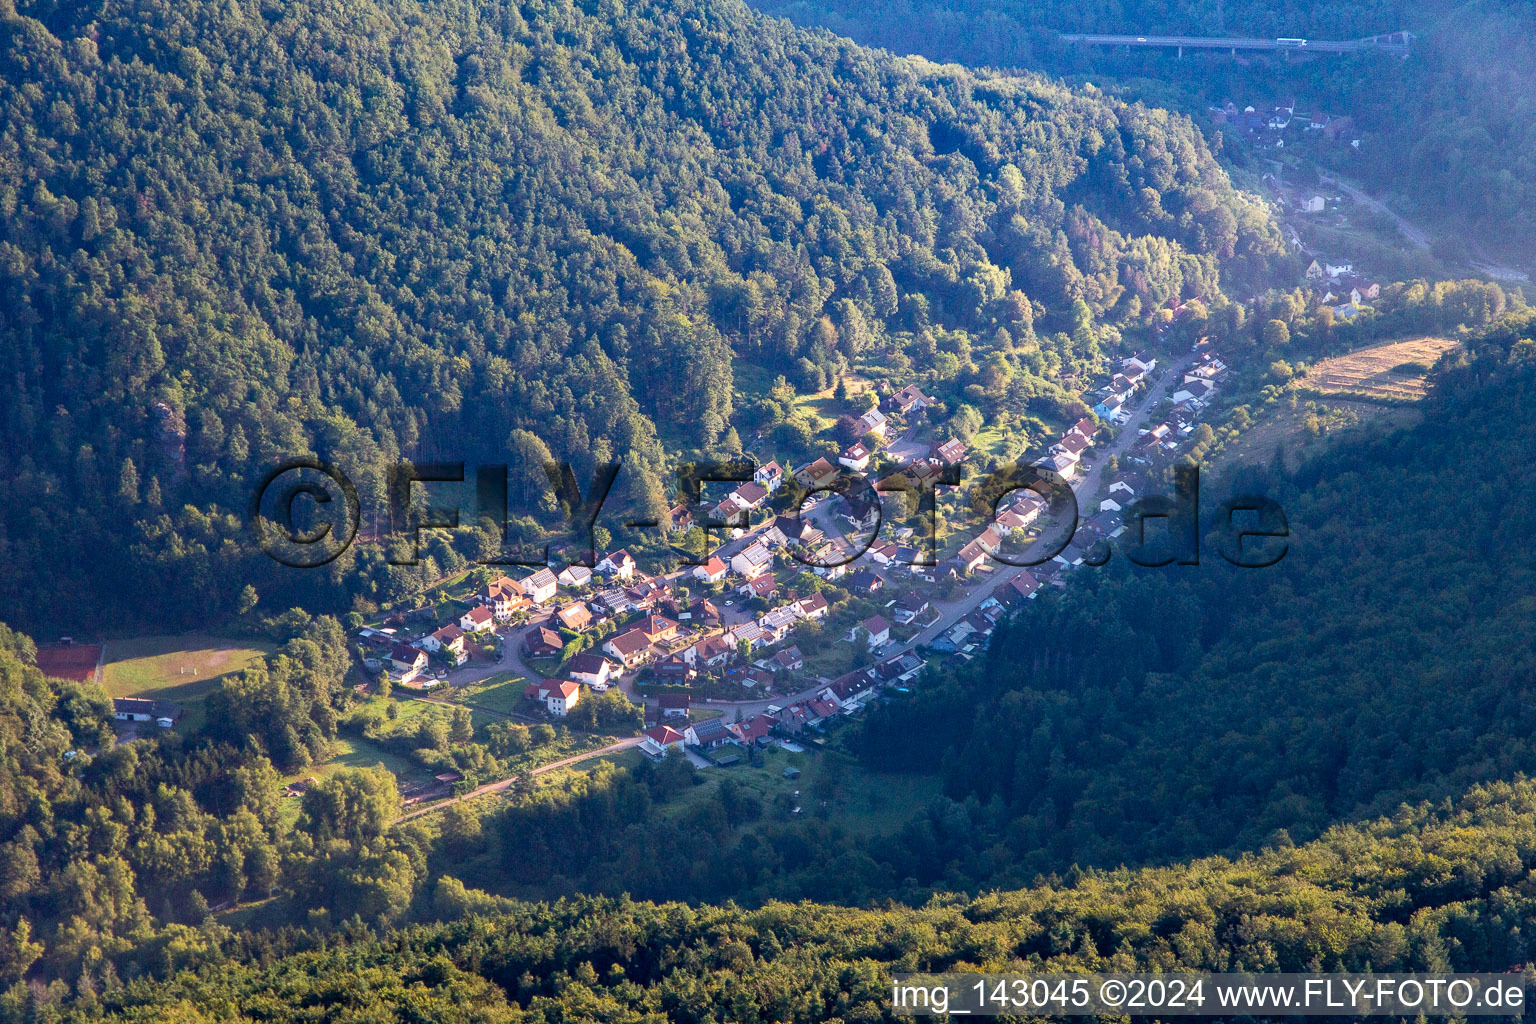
[[502, 692], [178, 668], [863, 802]]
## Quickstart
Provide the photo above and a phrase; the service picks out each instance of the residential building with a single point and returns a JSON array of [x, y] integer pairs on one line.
[[813, 607], [855, 457], [817, 475], [476, 620], [771, 476], [574, 576], [449, 642], [407, 663], [591, 669], [658, 628], [619, 565], [712, 571], [877, 629], [540, 587], [542, 642], [752, 560], [504, 597], [629, 649], [559, 696], [908, 399], [707, 734], [950, 452], [574, 616], [673, 705], [873, 422]]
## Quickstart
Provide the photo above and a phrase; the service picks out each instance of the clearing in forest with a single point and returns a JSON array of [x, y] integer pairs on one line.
[[1392, 372]]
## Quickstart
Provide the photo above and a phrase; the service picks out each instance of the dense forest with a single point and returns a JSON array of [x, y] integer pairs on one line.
[[1433, 887], [237, 233], [1449, 131]]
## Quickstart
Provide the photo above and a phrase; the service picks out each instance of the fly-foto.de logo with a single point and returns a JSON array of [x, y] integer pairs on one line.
[[306, 512]]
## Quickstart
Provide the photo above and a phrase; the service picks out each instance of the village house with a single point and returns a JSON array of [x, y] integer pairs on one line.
[[755, 730], [908, 399], [540, 587], [712, 571], [1312, 204], [449, 642], [1072, 444], [873, 422], [855, 457], [951, 452], [792, 531], [865, 582], [591, 669], [1022, 587], [659, 741], [619, 565], [862, 511], [673, 705], [818, 475], [1086, 429], [703, 613], [908, 607], [750, 494], [574, 576], [877, 629], [542, 642], [764, 586], [680, 517], [1062, 465], [628, 649], [676, 670], [657, 628], [558, 696], [476, 620], [713, 651], [788, 660], [1196, 391], [575, 616], [407, 662], [749, 633], [504, 597], [1143, 361], [752, 561], [613, 601], [707, 734], [777, 623], [813, 607], [1111, 408], [770, 477]]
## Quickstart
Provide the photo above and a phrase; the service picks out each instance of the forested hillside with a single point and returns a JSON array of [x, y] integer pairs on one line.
[[1432, 888], [1449, 131], [238, 232], [1164, 713]]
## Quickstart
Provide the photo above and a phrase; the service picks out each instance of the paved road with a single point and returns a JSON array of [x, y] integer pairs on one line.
[[1410, 231], [497, 787], [1398, 46]]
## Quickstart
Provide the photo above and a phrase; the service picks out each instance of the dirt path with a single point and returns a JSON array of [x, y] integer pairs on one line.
[[507, 783]]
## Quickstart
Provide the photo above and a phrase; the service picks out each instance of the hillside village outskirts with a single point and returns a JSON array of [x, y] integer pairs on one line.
[[763, 625]]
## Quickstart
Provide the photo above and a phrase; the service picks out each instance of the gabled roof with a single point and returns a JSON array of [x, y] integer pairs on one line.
[[448, 634], [950, 451], [587, 664], [664, 736], [655, 625], [543, 578], [632, 642], [714, 566], [876, 625], [405, 654], [672, 701]]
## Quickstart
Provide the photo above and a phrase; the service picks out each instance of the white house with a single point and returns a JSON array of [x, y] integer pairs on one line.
[[540, 587], [476, 620], [873, 422], [878, 630], [574, 576], [752, 561], [855, 457], [559, 696], [712, 571], [618, 564], [449, 642], [407, 662], [771, 477], [1313, 204], [589, 668]]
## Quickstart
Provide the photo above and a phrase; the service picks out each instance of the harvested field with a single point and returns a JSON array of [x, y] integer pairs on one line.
[[1383, 373]]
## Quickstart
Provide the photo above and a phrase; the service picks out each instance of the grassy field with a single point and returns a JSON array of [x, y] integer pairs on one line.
[[865, 803], [178, 668], [502, 692], [1380, 373]]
